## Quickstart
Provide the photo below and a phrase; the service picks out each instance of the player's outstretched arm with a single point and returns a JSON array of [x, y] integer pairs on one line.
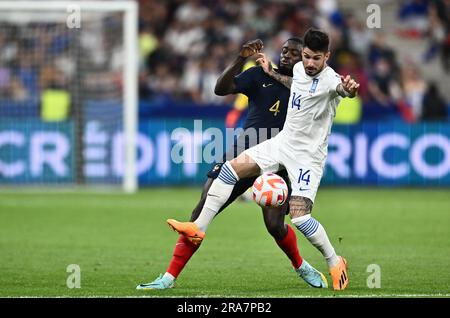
[[225, 83], [348, 87], [267, 67]]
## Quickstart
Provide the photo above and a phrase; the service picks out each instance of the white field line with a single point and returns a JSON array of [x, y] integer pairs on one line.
[[255, 297]]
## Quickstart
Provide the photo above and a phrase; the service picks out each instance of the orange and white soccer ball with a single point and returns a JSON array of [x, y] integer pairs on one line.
[[269, 189]]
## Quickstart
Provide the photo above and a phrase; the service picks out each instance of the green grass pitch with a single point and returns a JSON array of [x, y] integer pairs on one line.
[[121, 240]]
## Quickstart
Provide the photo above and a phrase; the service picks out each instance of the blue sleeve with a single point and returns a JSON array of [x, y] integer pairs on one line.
[[246, 80]]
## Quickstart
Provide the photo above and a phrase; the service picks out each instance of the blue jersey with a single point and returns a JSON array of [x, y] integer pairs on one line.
[[267, 108], [267, 100]]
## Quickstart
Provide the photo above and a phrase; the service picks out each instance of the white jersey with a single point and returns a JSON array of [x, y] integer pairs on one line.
[[311, 109], [301, 147]]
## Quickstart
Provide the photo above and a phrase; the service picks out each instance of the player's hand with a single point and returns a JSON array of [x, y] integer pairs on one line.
[[262, 60], [349, 85], [251, 47]]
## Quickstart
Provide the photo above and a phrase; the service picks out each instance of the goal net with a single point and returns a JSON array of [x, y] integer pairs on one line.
[[68, 85]]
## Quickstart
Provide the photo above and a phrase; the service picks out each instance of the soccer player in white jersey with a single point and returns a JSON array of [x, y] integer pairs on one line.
[[301, 148]]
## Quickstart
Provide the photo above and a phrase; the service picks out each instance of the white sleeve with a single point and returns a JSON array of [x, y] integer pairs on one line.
[[297, 70], [334, 79]]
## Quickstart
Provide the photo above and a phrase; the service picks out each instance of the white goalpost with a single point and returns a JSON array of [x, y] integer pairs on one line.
[[77, 62]]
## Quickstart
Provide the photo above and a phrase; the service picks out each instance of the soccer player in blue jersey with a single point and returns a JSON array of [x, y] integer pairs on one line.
[[301, 147], [267, 110]]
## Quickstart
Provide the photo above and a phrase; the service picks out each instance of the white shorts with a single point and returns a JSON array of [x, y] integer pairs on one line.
[[272, 155]]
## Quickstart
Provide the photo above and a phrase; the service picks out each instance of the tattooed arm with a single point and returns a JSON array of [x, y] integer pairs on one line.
[[283, 79], [267, 67]]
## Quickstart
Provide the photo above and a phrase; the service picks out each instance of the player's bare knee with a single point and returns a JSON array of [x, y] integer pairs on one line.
[[244, 166], [299, 206], [274, 221], [275, 229]]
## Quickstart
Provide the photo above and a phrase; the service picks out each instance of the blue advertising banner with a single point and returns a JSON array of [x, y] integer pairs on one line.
[[174, 151], [390, 153], [36, 152], [181, 151]]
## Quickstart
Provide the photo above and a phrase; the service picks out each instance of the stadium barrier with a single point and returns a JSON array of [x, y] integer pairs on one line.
[[181, 151]]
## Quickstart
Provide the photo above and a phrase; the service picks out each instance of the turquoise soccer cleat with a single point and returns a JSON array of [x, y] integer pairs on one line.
[[159, 283], [312, 276]]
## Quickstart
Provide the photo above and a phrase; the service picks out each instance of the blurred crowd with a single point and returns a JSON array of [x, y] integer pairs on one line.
[[37, 56], [184, 45]]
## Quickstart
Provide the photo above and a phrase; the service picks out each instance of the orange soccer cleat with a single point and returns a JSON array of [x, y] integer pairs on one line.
[[187, 229], [339, 274]]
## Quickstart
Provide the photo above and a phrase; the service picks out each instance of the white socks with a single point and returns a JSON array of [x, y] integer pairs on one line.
[[218, 194], [169, 276], [315, 233]]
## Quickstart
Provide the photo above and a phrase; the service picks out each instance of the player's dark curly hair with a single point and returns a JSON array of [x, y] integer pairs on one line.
[[296, 39], [316, 40]]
